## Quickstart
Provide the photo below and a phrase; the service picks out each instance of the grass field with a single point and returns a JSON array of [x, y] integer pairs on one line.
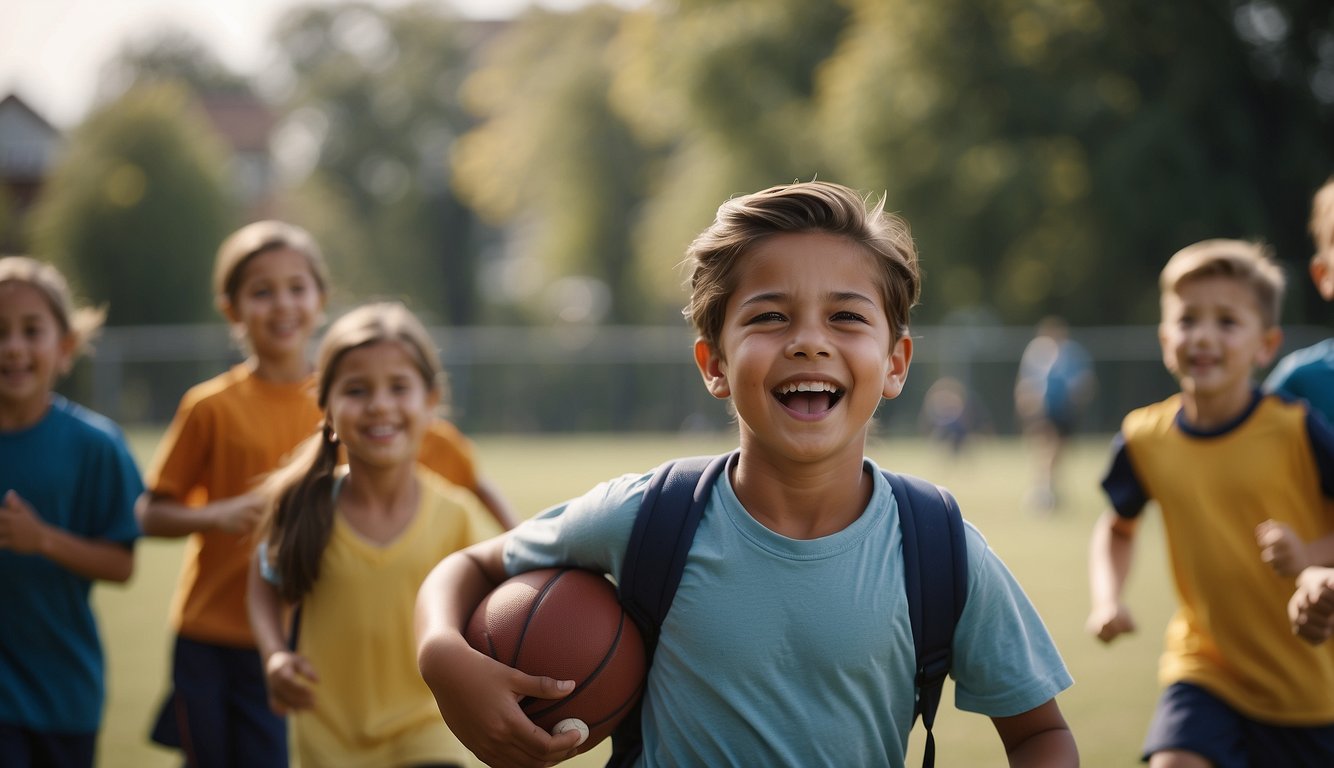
[[1108, 707]]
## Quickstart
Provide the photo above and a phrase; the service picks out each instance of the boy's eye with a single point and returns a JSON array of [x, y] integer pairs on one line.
[[768, 317], [847, 315]]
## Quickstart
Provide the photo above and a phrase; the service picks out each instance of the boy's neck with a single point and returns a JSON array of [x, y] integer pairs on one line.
[[15, 416], [1211, 412], [280, 370], [799, 500]]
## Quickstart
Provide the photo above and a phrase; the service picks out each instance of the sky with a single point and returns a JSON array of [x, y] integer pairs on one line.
[[51, 50]]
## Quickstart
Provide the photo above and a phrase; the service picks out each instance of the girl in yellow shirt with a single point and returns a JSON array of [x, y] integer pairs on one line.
[[350, 546]]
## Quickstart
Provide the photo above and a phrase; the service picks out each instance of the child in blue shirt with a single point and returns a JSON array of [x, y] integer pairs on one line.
[[69, 486], [788, 641]]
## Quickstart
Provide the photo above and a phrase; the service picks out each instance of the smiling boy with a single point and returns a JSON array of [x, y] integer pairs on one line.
[[1219, 459], [788, 641]]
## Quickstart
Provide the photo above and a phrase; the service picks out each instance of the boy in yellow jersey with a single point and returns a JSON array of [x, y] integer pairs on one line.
[[1220, 458]]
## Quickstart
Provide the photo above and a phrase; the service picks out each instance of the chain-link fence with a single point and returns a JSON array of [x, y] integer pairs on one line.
[[600, 379]]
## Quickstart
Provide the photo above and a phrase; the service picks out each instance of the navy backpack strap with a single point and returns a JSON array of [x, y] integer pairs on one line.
[[670, 512], [935, 569], [655, 558]]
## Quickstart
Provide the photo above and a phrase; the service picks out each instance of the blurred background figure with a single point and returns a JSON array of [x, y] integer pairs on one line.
[[1054, 384], [951, 414]]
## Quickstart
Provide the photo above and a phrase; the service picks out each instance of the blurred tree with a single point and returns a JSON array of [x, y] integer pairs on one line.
[[374, 95], [553, 163], [1052, 155], [728, 90], [136, 208]]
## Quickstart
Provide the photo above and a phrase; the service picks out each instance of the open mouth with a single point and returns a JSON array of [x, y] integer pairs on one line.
[[809, 396]]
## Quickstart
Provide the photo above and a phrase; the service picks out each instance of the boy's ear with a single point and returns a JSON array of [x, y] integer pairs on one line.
[[69, 347], [712, 368], [900, 357], [224, 305], [1269, 345], [1322, 274]]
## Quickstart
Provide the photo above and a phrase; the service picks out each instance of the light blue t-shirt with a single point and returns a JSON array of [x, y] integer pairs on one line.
[[786, 652], [1307, 374], [76, 472]]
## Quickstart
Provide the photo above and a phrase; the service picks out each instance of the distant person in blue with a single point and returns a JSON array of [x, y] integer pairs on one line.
[[67, 490], [1309, 374], [1054, 384]]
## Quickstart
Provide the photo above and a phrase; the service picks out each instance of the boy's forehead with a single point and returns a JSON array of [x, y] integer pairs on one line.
[[1226, 290], [797, 254]]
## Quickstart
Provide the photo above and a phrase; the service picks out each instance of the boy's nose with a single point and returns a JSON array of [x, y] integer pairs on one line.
[[808, 344]]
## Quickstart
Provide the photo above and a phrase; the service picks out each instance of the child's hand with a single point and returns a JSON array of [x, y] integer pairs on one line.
[[1311, 608], [240, 514], [1110, 622], [1281, 547], [479, 700], [291, 682], [20, 528]]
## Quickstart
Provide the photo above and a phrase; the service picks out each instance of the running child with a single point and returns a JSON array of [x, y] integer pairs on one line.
[[271, 284], [349, 546], [1219, 458], [800, 296], [68, 485], [1307, 374]]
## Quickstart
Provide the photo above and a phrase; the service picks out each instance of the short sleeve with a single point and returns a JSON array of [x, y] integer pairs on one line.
[[591, 531], [183, 452], [1321, 435], [122, 484], [1122, 486], [1005, 661]]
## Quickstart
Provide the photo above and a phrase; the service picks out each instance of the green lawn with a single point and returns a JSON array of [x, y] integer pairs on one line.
[[1108, 708]]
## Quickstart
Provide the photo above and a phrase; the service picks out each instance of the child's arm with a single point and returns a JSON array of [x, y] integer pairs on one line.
[[22, 531], [1311, 608], [164, 516], [289, 676], [1110, 554], [1282, 548], [1038, 737], [478, 696]]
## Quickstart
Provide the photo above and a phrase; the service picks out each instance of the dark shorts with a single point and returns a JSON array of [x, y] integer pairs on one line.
[[1190, 718], [26, 748], [218, 711]]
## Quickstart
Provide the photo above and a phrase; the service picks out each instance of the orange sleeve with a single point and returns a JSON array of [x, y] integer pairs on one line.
[[449, 454]]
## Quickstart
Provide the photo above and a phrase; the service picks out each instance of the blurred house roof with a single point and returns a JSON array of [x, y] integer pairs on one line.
[[28, 143], [242, 120]]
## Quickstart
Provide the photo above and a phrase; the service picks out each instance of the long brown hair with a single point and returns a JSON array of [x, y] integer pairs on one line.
[[300, 514]]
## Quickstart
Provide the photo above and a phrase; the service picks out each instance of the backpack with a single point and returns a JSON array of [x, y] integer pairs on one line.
[[935, 563]]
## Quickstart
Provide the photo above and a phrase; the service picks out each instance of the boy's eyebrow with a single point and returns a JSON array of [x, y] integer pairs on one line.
[[837, 296]]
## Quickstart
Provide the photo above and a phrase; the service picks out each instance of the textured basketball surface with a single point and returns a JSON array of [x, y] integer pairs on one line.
[[565, 623]]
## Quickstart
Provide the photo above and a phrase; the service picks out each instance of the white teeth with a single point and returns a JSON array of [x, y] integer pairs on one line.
[[380, 431], [807, 386]]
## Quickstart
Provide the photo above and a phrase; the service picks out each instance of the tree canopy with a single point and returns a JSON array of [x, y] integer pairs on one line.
[[135, 210]]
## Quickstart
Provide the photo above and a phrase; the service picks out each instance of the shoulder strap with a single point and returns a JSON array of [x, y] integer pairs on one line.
[[664, 528], [660, 540], [935, 569]]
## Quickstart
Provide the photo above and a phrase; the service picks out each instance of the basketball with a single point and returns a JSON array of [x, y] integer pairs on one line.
[[565, 623]]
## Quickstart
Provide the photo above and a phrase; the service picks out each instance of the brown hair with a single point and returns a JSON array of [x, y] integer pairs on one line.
[[301, 501], [83, 323], [815, 206], [1251, 263], [261, 237]]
